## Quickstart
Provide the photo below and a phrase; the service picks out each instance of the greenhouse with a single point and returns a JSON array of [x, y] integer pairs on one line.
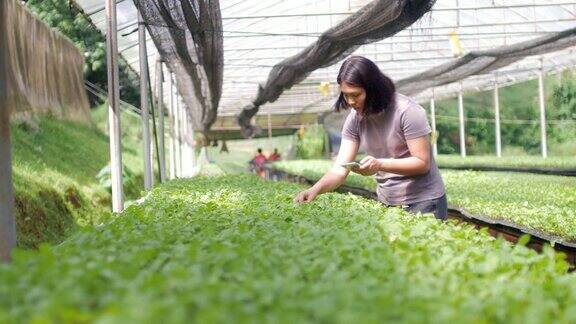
[[315, 161]]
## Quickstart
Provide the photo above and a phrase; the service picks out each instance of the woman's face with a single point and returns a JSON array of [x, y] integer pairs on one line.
[[355, 96]]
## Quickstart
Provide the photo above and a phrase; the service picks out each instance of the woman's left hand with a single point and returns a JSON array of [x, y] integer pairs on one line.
[[369, 165]]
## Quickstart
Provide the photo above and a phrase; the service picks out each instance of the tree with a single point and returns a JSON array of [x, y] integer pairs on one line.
[[74, 24]]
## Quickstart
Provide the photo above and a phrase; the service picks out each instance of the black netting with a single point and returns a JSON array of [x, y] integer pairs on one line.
[[482, 62], [188, 35], [375, 21]]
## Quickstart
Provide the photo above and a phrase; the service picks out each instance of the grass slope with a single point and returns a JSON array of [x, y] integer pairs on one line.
[[55, 166]]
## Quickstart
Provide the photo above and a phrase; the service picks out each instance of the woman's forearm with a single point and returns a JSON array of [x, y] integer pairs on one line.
[[407, 166], [330, 181]]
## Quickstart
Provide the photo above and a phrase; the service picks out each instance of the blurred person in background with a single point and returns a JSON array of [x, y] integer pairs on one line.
[[258, 163], [275, 156]]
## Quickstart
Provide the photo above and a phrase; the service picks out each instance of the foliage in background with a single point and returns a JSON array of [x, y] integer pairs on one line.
[[131, 126], [311, 142], [564, 103], [55, 166], [72, 23], [133, 166], [131, 182], [517, 102]]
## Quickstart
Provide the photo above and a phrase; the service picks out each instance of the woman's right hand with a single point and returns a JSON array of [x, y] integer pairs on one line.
[[306, 196]]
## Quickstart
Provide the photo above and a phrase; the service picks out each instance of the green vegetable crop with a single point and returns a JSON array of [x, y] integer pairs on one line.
[[237, 249], [541, 202]]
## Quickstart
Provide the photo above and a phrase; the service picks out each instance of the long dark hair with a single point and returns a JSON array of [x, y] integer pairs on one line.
[[361, 72]]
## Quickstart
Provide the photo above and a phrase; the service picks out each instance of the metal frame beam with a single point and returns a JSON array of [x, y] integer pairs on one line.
[[114, 108], [542, 104], [497, 118], [7, 221], [433, 125], [172, 126], [144, 76], [461, 122], [160, 98]]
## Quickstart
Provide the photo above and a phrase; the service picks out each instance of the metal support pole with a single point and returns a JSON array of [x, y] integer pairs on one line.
[[183, 147], [326, 140], [497, 119], [7, 222], [183, 144], [152, 158], [187, 156], [433, 122], [461, 118], [190, 157], [176, 135], [154, 132], [160, 105], [193, 160], [171, 127], [114, 108], [270, 130], [144, 103], [542, 110], [178, 128], [460, 99], [330, 11]]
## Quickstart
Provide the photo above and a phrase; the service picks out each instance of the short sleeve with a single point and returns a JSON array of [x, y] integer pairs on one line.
[[351, 129], [414, 122]]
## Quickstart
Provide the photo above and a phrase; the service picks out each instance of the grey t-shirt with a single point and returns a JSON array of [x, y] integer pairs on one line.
[[384, 135]]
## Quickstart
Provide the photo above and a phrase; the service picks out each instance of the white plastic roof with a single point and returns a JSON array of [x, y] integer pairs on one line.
[[260, 33]]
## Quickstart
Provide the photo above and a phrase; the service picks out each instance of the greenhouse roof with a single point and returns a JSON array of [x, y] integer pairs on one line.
[[260, 34]]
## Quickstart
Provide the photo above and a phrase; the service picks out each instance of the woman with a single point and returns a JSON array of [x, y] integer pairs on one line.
[[394, 131]]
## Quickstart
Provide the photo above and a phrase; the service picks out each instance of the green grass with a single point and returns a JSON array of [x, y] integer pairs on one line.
[[541, 202], [131, 128], [237, 249], [71, 149], [55, 165]]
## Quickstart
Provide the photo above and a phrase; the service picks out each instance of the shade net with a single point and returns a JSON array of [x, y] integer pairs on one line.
[[377, 20], [473, 63], [188, 36], [483, 62], [42, 68]]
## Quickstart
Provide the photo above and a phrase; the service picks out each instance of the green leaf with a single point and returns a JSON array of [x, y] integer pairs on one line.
[[524, 239]]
